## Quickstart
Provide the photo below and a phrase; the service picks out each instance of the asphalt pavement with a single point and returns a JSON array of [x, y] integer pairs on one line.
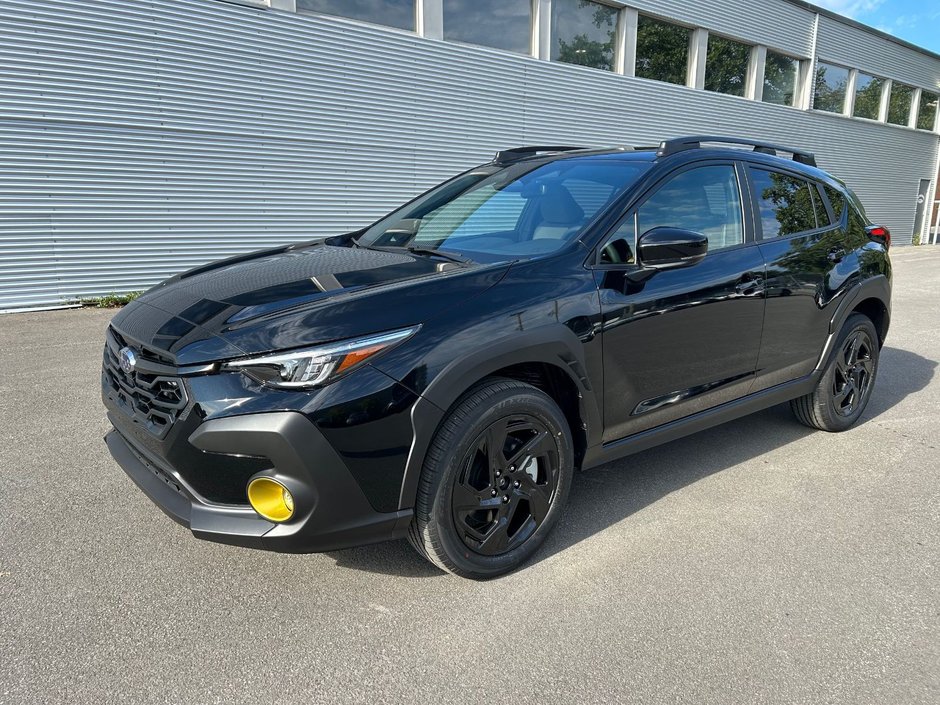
[[758, 562]]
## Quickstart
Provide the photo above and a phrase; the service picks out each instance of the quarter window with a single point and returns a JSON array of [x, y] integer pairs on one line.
[[837, 201], [822, 215], [392, 13], [705, 200], [620, 247], [662, 50], [831, 82], [785, 204]]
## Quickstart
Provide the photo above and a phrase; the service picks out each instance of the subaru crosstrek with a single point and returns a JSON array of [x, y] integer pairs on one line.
[[442, 373]]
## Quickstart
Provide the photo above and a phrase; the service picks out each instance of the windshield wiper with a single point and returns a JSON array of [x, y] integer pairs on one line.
[[451, 256]]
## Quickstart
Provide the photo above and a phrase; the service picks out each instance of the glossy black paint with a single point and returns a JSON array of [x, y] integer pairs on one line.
[[633, 355], [670, 248]]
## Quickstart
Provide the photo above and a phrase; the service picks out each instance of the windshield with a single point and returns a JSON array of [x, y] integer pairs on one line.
[[495, 213]]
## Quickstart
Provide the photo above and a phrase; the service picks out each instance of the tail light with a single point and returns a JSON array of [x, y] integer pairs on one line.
[[879, 234]]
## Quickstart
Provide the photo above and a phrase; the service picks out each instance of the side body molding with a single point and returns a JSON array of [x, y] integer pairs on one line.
[[555, 345], [876, 287]]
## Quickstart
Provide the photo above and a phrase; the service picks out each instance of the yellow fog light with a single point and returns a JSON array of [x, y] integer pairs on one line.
[[270, 499]]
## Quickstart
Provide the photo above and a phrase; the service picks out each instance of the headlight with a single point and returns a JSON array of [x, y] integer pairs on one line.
[[315, 366]]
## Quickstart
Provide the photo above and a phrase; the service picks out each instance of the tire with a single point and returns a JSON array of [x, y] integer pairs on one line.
[[495, 480], [844, 389]]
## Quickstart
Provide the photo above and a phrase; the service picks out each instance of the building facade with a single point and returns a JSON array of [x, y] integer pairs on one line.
[[140, 138]]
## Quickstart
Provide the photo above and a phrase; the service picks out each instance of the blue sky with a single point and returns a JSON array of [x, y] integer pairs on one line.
[[913, 20]]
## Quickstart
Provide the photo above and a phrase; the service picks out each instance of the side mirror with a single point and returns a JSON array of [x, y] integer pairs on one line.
[[671, 248]]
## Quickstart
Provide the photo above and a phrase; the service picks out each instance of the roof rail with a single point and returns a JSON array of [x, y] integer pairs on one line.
[[681, 144], [508, 156]]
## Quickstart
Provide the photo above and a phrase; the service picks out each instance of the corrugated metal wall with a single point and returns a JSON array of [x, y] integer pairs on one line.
[[774, 23], [856, 48], [141, 138]]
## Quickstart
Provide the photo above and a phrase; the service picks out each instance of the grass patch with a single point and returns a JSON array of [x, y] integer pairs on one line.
[[110, 300]]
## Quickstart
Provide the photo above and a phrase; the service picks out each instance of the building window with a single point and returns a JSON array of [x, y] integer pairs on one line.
[[830, 87], [662, 51], [927, 115], [780, 74], [584, 33], [503, 24], [868, 96], [391, 13], [726, 66], [899, 107]]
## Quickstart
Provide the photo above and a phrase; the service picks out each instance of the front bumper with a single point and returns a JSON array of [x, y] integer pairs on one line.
[[331, 510]]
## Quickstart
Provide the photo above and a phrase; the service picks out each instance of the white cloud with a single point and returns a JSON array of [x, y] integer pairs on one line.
[[851, 8]]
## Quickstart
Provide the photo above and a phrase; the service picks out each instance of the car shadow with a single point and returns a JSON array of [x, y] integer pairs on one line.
[[610, 493]]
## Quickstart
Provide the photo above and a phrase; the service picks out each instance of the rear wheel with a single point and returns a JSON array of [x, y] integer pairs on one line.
[[495, 480], [845, 387]]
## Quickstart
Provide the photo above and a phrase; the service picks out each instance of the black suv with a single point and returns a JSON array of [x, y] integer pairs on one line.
[[442, 373]]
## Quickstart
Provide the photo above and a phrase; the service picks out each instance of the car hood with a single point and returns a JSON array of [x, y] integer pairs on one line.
[[295, 296]]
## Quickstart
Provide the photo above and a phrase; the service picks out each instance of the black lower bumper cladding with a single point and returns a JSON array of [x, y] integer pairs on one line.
[[332, 512]]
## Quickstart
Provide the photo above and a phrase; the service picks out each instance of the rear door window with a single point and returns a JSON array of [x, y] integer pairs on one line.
[[784, 202]]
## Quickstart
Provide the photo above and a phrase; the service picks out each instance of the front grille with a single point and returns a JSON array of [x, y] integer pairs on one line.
[[154, 401]]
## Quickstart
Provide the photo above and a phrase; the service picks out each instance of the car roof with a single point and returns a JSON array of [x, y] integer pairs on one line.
[[746, 151]]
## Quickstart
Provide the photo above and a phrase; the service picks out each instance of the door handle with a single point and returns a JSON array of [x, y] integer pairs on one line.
[[836, 255]]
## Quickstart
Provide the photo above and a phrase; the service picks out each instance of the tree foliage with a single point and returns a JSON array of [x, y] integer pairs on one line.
[[662, 51], [868, 99], [726, 66]]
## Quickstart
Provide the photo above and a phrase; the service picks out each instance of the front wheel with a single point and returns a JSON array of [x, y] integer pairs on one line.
[[495, 480], [845, 387]]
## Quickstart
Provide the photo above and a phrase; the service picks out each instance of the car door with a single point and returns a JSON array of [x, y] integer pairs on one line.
[[803, 242], [679, 341]]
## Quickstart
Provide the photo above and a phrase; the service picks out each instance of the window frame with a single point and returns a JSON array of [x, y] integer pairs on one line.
[[747, 222], [813, 185]]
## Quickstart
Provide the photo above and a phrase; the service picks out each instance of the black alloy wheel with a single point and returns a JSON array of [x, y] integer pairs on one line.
[[854, 372], [495, 480], [506, 485], [846, 384]]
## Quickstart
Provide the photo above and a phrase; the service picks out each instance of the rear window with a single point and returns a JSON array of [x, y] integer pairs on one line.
[[785, 203]]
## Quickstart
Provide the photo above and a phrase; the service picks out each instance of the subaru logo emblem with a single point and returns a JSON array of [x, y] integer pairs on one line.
[[128, 360]]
